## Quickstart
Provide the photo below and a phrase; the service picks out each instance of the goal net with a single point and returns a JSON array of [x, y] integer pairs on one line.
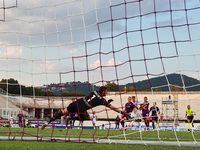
[[54, 52]]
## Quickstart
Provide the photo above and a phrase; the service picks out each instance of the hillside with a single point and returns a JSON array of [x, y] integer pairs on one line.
[[81, 87], [173, 79]]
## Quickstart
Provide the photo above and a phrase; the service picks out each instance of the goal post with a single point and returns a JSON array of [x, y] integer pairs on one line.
[[55, 52]]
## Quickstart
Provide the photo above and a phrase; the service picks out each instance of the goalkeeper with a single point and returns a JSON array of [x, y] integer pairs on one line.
[[81, 106]]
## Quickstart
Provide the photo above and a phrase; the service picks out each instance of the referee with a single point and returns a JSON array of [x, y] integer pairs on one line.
[[190, 115]]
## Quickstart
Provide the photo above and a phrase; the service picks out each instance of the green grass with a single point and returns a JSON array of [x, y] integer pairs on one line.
[[75, 133], [29, 145], [88, 133]]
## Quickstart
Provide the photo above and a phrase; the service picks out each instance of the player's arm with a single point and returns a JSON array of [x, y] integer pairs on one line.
[[158, 111], [150, 112], [118, 110], [135, 109], [185, 113], [144, 107], [192, 113], [124, 109]]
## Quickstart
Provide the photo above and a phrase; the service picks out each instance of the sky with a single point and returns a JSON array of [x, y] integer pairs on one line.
[[124, 41]]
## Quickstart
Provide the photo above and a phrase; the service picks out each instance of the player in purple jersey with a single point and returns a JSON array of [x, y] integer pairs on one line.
[[145, 112], [20, 117], [129, 106], [154, 114]]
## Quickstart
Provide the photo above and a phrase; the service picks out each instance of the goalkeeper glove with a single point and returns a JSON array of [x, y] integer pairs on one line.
[[110, 100]]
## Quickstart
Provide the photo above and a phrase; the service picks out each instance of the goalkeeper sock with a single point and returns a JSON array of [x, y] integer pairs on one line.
[[153, 125], [188, 125]]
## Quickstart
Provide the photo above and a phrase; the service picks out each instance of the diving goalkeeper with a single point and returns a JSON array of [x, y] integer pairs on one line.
[[81, 106]]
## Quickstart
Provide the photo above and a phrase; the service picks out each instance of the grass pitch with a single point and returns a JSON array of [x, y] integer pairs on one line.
[[101, 134], [90, 134], [33, 145]]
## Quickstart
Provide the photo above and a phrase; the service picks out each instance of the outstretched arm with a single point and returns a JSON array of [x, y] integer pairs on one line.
[[118, 110]]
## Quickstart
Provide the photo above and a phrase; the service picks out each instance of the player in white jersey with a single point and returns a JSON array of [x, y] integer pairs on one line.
[[11, 120], [136, 106], [138, 116], [94, 119]]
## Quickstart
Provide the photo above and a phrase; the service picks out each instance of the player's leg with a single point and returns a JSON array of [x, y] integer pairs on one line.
[[188, 120], [153, 123], [138, 120], [94, 124], [157, 125], [192, 122], [148, 120], [56, 116], [144, 115], [73, 121], [65, 111]]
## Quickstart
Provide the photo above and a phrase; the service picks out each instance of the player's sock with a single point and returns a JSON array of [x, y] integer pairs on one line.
[[157, 125], [139, 124], [147, 123], [188, 125], [153, 125], [133, 123]]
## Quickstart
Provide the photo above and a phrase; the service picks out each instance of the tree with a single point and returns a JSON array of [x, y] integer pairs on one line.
[[112, 86], [72, 94], [131, 88], [10, 85], [13, 87], [157, 90], [174, 88]]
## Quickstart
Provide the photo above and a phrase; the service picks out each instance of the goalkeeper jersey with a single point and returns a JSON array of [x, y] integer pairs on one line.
[[189, 112]]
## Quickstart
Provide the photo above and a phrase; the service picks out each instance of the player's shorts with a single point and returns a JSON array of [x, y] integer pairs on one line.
[[190, 118], [145, 115], [72, 108], [155, 118]]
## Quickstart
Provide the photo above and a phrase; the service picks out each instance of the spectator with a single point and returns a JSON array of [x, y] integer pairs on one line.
[[117, 120]]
